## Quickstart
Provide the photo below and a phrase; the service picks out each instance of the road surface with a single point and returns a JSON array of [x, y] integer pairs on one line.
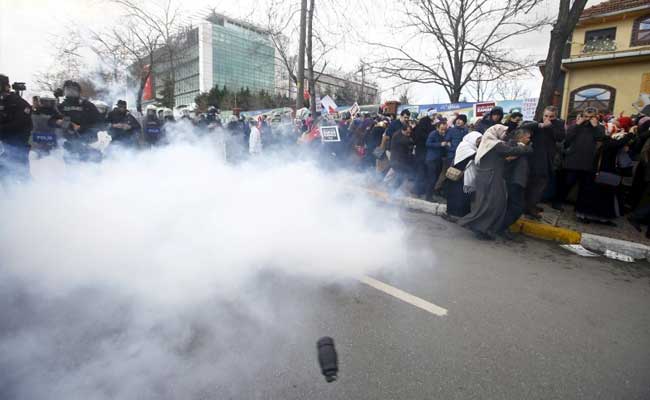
[[468, 320], [525, 321]]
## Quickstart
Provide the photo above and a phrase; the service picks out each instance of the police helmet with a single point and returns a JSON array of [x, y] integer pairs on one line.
[[167, 112], [71, 84]]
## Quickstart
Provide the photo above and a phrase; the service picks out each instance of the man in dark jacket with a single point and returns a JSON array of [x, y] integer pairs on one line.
[[514, 122], [579, 150], [420, 135], [516, 177], [545, 136], [123, 127], [15, 129], [401, 161], [397, 124], [492, 118], [455, 135]]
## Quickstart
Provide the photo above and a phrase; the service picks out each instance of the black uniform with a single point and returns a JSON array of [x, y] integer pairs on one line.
[[124, 136], [83, 113], [15, 129]]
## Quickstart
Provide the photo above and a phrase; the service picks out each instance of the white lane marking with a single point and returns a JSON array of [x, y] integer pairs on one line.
[[406, 297]]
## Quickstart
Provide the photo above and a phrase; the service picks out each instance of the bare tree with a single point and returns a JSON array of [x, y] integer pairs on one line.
[[301, 55], [113, 55], [480, 89], [510, 89], [164, 21], [280, 27], [68, 61], [460, 36], [404, 96], [567, 19]]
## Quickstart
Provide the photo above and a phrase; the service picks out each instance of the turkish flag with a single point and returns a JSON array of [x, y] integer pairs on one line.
[[147, 93], [305, 95]]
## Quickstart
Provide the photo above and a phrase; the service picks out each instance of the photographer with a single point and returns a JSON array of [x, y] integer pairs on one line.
[[15, 129], [579, 153]]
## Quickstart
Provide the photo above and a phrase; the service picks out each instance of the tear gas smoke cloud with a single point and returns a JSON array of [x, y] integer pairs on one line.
[[134, 278]]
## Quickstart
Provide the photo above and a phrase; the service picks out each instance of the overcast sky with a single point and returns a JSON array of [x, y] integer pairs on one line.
[[26, 28]]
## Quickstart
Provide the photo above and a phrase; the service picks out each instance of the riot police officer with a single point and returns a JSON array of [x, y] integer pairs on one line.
[[123, 126], [15, 129], [80, 120], [152, 126]]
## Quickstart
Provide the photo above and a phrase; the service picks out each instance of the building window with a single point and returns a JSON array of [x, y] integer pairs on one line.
[[600, 40], [599, 96], [641, 31]]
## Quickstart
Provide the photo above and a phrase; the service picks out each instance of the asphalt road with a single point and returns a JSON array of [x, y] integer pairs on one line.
[[525, 321]]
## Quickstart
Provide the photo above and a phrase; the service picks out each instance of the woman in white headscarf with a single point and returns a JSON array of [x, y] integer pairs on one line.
[[458, 202], [490, 202]]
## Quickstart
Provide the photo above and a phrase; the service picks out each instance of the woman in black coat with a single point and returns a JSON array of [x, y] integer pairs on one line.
[[599, 202], [490, 202]]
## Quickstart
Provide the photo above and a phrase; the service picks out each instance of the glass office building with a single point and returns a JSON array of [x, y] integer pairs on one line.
[[220, 52]]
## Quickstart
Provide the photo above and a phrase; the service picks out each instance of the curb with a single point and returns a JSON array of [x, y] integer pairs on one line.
[[531, 228], [602, 243], [547, 232]]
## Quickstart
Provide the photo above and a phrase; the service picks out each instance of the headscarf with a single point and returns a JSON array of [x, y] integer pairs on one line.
[[467, 146], [493, 135]]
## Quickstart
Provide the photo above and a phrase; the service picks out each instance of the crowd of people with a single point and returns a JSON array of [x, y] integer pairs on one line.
[[499, 168], [490, 171]]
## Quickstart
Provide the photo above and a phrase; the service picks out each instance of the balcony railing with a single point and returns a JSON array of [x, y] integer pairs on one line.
[[599, 46]]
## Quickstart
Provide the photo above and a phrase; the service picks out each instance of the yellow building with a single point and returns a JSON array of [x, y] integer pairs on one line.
[[609, 62]]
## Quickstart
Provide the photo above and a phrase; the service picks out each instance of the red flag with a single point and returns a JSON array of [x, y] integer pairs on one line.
[[147, 94], [305, 95]]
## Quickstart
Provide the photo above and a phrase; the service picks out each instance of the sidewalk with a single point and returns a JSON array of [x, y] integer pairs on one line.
[[567, 219], [561, 227]]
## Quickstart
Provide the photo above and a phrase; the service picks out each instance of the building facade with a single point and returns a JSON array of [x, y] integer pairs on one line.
[[330, 84], [220, 51], [609, 62]]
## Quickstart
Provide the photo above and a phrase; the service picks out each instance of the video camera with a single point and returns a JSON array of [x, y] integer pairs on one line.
[[19, 87]]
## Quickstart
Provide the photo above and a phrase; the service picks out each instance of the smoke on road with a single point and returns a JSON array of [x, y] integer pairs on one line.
[[134, 277]]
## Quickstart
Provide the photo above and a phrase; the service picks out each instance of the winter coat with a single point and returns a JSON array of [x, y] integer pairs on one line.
[[545, 142], [435, 150], [394, 127], [490, 202], [15, 119], [487, 122], [117, 117], [517, 170], [401, 147], [420, 137], [580, 146], [454, 136]]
